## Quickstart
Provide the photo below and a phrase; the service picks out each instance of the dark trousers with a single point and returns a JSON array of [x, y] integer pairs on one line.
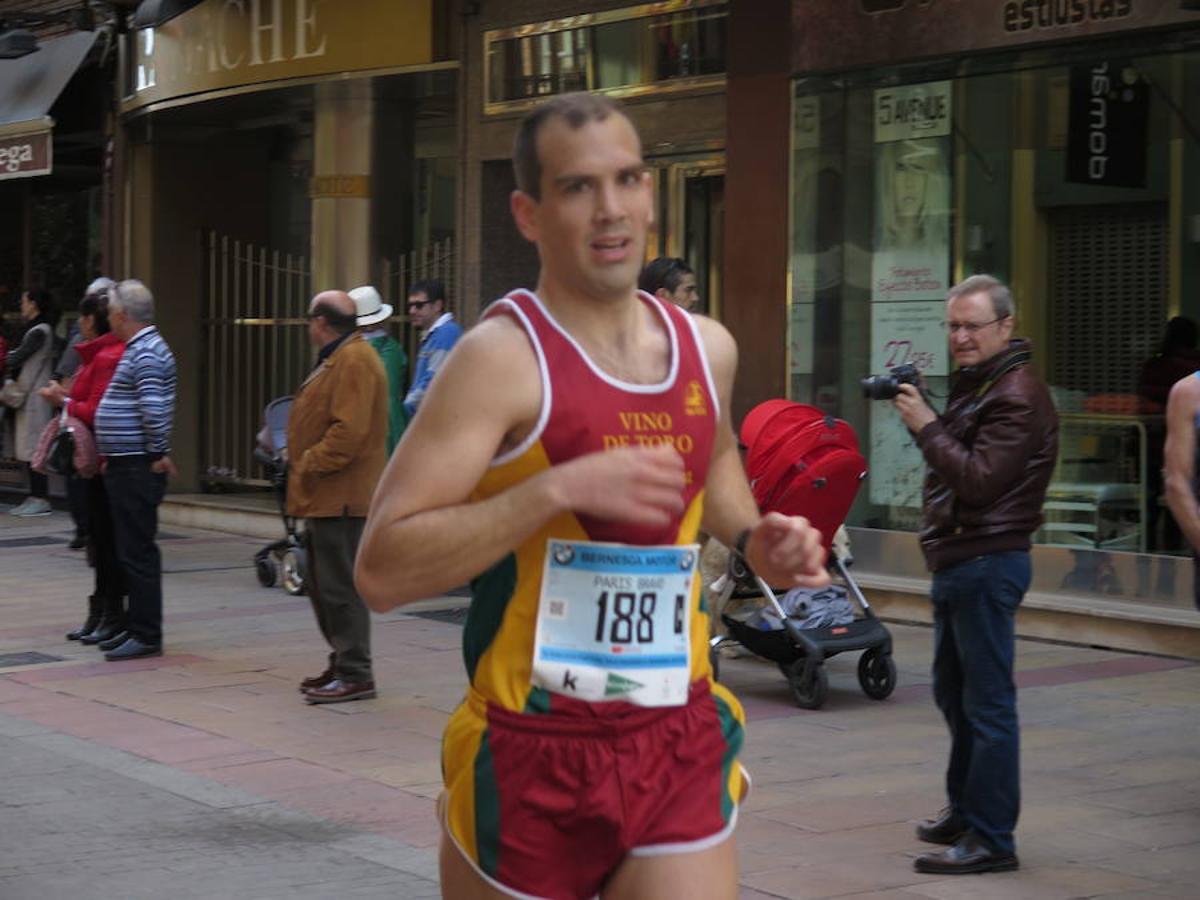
[[110, 578], [79, 502], [342, 616], [39, 485], [134, 493], [974, 606]]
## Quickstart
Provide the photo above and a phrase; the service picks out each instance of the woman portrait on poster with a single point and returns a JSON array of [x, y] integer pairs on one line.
[[913, 196]]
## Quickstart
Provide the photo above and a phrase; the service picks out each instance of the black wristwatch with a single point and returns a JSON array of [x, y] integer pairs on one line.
[[739, 545]]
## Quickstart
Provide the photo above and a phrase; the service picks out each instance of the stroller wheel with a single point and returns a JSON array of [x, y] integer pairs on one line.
[[877, 674], [293, 571], [265, 570], [810, 692]]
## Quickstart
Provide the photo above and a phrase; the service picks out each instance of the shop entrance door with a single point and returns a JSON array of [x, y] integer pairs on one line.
[[691, 217]]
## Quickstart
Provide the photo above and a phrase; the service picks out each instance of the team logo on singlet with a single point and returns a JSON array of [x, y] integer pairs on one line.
[[693, 401]]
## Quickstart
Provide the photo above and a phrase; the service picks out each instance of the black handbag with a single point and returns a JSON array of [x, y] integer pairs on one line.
[[60, 455]]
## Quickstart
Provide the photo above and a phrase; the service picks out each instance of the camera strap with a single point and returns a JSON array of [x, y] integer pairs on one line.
[[1018, 359]]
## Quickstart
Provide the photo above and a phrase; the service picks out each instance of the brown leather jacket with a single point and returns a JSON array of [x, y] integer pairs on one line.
[[990, 456], [336, 433]]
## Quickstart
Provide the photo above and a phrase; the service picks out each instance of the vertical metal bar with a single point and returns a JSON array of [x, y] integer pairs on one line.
[[210, 297], [288, 280], [219, 383], [273, 383]]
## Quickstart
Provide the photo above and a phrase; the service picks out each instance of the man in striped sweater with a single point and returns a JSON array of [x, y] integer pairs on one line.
[[133, 433]]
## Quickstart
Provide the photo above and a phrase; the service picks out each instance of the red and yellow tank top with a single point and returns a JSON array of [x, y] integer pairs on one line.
[[583, 410]]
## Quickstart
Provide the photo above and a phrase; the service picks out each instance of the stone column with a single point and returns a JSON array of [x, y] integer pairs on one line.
[[343, 120]]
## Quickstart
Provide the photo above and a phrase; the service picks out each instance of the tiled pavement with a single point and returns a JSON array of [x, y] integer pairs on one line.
[[202, 774]]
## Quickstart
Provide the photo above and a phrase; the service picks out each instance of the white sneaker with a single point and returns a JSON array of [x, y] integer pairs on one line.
[[33, 506]]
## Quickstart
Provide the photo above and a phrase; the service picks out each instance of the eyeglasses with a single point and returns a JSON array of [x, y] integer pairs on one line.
[[418, 304], [971, 327]]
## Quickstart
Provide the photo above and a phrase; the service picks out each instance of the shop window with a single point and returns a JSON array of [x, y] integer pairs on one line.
[[647, 48], [1094, 221]]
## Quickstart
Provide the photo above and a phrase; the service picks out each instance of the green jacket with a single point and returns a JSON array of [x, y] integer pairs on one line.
[[395, 363]]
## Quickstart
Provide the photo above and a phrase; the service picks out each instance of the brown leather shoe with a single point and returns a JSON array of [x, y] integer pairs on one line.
[[338, 691], [969, 856], [317, 680], [947, 828]]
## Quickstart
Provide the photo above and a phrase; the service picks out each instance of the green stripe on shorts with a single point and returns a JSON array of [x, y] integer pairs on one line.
[[734, 736], [487, 809]]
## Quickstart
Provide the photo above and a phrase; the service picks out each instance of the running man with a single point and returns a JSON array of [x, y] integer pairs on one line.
[[564, 459]]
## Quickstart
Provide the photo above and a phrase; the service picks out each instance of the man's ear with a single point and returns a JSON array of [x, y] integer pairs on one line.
[[524, 212], [664, 295]]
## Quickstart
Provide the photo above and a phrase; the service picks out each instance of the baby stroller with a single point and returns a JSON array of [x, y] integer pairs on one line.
[[803, 462], [285, 557]]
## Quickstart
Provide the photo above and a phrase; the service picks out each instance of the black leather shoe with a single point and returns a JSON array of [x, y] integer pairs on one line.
[[78, 542], [87, 627], [107, 629], [133, 648], [969, 856], [947, 828], [113, 642]]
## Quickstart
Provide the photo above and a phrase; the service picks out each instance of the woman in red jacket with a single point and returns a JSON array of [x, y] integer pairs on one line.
[[99, 352]]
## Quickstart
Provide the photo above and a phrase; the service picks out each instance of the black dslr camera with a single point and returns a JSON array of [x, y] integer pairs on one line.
[[885, 387]]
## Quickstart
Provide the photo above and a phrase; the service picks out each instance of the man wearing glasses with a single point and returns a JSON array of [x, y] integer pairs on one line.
[[990, 458], [439, 334]]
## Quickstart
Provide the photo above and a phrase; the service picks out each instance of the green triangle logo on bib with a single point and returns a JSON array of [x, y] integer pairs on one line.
[[620, 685]]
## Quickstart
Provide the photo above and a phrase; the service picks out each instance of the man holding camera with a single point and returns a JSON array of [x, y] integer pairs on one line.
[[990, 458]]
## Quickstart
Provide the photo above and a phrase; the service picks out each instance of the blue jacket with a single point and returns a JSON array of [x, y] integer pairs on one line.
[[435, 347]]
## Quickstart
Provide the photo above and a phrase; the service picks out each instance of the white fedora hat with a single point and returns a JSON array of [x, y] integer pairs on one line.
[[369, 305]]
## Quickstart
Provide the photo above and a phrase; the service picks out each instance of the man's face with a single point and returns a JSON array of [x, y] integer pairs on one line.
[[28, 308], [422, 311], [316, 327], [118, 322], [596, 206], [685, 294], [989, 336]]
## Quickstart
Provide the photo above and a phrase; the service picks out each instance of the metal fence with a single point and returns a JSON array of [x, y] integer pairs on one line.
[[255, 349], [255, 339]]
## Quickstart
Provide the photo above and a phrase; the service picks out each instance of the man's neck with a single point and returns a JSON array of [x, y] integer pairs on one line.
[[620, 333]]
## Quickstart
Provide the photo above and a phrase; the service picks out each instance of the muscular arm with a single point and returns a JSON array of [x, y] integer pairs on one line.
[[423, 537], [784, 550], [1179, 457]]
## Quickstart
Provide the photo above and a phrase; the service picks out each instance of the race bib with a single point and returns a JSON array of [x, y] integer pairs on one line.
[[613, 622]]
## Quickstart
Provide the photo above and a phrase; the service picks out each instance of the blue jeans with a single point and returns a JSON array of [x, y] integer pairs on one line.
[[974, 605]]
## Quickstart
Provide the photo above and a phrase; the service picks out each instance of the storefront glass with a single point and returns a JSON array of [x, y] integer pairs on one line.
[[1069, 173]]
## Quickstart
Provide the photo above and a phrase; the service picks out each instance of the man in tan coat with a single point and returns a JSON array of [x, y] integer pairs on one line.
[[336, 434]]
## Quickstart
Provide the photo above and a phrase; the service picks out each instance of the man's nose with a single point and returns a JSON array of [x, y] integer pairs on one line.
[[608, 202]]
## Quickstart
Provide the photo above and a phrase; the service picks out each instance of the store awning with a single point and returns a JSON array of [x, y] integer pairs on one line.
[[28, 88]]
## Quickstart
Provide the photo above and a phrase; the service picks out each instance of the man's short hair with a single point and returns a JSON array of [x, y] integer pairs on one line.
[[340, 322], [664, 272], [576, 109], [431, 288], [1001, 297], [134, 299]]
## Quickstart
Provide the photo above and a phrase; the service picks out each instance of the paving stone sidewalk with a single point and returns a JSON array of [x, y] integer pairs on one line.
[[202, 774]]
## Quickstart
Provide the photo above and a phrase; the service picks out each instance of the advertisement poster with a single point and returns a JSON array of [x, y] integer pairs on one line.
[[910, 266], [897, 467], [909, 334]]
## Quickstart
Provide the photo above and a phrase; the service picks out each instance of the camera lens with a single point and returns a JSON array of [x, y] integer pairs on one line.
[[880, 387]]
